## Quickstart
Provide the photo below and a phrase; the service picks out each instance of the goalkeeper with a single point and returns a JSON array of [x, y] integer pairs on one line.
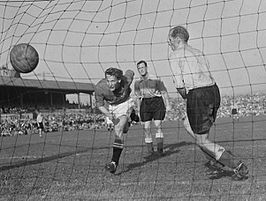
[[195, 84], [115, 90]]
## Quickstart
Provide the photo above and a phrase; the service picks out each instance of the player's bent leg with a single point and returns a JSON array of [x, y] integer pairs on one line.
[[188, 127], [239, 169], [124, 124], [211, 149], [210, 157], [117, 150], [118, 144], [222, 156], [121, 125], [212, 152]]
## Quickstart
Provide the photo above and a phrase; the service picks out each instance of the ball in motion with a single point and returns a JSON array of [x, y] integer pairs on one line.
[[24, 58]]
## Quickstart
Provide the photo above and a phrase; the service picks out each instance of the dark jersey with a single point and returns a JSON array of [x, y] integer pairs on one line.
[[120, 95], [148, 88]]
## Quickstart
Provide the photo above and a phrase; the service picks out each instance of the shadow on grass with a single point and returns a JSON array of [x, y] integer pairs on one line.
[[27, 162], [170, 149]]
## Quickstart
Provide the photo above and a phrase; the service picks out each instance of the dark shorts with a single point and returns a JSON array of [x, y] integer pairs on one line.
[[202, 107], [40, 125], [152, 109]]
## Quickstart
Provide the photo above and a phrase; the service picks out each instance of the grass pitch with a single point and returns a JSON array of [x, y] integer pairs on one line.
[[70, 165]]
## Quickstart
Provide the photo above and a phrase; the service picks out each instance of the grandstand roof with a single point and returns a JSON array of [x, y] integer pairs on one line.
[[69, 87]]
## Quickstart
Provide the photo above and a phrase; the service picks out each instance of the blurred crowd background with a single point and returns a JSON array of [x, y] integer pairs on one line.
[[20, 121], [244, 105]]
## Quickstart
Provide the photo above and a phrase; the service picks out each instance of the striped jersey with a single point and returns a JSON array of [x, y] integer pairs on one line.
[[149, 87]]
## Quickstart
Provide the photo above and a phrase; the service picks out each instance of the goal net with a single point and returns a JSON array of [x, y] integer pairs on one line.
[[77, 40]]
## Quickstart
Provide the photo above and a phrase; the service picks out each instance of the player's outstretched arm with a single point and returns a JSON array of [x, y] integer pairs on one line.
[[166, 100], [165, 95]]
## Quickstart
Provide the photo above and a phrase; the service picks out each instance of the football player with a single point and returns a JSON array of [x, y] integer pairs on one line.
[[153, 102], [40, 122], [196, 85], [115, 90]]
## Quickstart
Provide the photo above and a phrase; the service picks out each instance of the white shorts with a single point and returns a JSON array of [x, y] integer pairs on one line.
[[122, 108]]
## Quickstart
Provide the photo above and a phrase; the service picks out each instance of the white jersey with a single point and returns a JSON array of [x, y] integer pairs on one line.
[[190, 69]]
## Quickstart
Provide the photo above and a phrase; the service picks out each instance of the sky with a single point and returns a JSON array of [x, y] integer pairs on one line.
[[78, 40]]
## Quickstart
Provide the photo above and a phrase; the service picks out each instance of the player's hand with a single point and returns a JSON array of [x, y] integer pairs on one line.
[[110, 116], [113, 119]]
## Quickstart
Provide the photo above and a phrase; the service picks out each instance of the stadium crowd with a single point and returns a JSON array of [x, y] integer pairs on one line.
[[56, 121], [17, 124], [245, 105]]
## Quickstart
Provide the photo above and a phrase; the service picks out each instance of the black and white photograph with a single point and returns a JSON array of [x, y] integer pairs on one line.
[[132, 100]]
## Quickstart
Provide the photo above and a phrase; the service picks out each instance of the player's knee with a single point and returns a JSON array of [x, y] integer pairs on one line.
[[147, 128], [148, 139], [159, 134], [201, 140], [118, 130], [158, 127], [158, 123]]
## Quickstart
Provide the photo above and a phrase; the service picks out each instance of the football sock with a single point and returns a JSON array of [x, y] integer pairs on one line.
[[150, 147], [228, 160], [208, 154], [225, 159], [159, 144], [117, 150], [213, 150]]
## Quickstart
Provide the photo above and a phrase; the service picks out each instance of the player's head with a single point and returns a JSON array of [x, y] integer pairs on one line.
[[142, 67], [113, 77], [176, 36]]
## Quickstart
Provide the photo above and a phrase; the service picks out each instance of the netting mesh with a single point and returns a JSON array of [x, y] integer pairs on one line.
[[77, 40]]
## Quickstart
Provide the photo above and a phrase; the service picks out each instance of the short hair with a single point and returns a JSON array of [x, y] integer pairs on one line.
[[114, 72], [142, 61], [179, 31]]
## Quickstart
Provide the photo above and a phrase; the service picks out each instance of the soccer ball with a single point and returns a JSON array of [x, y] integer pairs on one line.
[[24, 58]]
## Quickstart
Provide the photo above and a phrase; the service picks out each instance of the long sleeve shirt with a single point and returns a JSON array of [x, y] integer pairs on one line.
[[190, 68]]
